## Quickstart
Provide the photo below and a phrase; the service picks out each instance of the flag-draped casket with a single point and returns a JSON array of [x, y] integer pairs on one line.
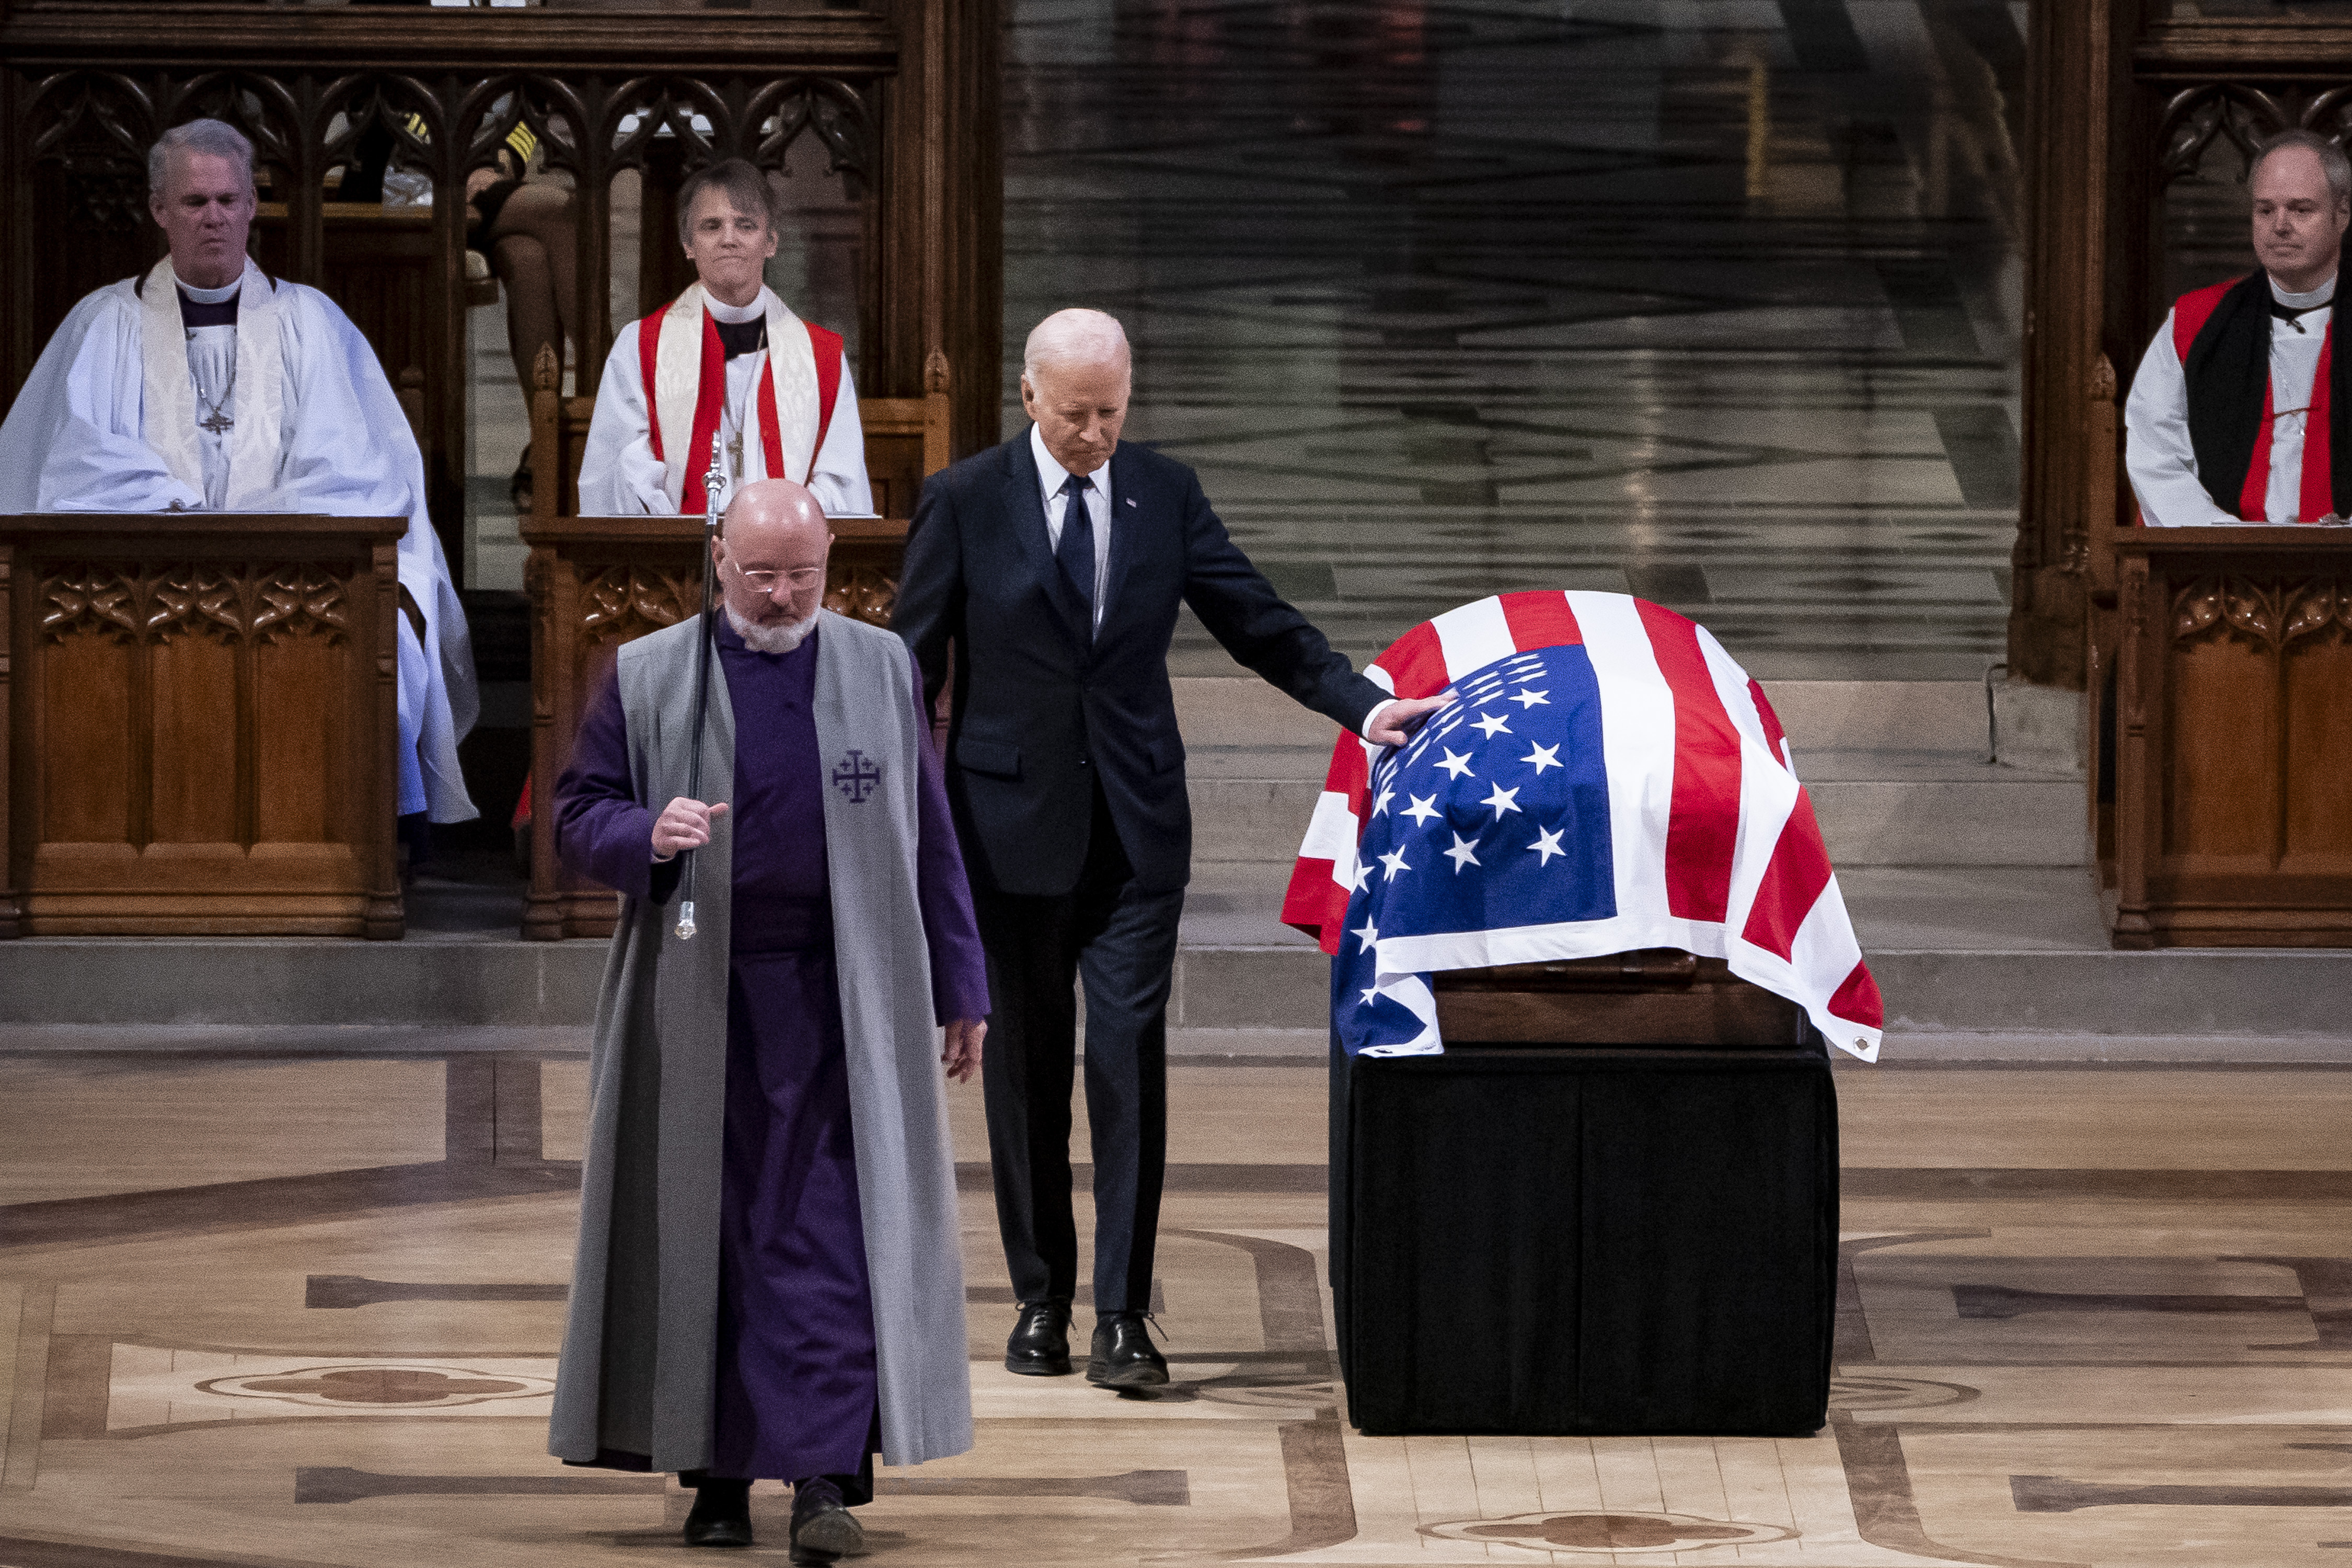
[[1608, 780]]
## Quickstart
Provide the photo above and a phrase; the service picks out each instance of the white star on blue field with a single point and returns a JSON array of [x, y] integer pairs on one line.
[[1495, 816]]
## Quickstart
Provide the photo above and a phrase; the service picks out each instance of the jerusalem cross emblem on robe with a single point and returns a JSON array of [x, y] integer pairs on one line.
[[857, 777]]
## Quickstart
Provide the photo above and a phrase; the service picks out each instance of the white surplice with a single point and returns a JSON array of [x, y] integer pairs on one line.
[[2158, 453], [110, 421], [620, 476]]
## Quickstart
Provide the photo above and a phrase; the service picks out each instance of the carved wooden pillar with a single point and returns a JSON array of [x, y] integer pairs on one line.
[[2086, 240], [943, 218]]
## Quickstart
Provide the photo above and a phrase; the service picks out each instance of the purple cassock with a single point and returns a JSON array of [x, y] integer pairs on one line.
[[795, 1388]]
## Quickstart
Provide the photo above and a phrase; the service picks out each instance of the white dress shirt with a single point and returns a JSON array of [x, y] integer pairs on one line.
[[2158, 453], [1051, 477]]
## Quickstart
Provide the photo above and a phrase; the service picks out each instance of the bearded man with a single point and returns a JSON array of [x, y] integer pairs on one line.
[[2242, 411], [205, 386], [726, 359], [769, 1283]]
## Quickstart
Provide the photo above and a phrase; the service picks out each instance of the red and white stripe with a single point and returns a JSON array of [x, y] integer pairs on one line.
[[1717, 849]]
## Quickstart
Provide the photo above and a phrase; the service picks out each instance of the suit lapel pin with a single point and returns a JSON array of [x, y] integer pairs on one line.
[[1130, 500]]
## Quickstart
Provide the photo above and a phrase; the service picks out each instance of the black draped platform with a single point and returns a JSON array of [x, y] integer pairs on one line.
[[1637, 1238]]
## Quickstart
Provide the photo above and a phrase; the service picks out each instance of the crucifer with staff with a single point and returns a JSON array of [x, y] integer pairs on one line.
[[767, 1194]]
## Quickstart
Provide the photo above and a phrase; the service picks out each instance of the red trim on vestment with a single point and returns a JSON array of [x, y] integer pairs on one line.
[[710, 398], [827, 347], [1703, 821], [2254, 495], [2192, 310], [2318, 497]]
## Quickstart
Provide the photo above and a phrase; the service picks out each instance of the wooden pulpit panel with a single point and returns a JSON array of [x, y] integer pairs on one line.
[[200, 726], [2235, 730], [2317, 702]]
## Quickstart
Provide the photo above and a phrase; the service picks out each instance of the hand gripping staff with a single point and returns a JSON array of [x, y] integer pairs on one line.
[[710, 483]]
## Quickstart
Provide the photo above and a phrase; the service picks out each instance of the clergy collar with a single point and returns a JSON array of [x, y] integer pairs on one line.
[[734, 315], [207, 307], [736, 339], [2295, 304], [225, 295]]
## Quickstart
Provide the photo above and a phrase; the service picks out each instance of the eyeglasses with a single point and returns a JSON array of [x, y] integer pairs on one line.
[[799, 577]]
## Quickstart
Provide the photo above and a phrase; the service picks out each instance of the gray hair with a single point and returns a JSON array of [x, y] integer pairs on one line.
[[1077, 334], [216, 137], [2333, 163], [745, 186]]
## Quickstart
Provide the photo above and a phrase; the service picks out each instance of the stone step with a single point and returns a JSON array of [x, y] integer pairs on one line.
[[1955, 949], [1999, 817], [1243, 711], [364, 997]]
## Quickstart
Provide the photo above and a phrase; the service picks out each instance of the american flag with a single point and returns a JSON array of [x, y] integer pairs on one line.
[[1608, 780]]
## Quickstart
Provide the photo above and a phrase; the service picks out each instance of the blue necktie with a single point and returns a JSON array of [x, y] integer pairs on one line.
[[1076, 550]]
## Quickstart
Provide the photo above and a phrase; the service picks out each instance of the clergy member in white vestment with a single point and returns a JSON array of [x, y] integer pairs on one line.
[[2242, 411], [725, 359], [206, 386]]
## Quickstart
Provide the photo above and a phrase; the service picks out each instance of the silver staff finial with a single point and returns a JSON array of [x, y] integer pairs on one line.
[[686, 920]]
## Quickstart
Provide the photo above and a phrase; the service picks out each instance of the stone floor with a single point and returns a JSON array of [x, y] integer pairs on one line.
[[271, 1310], [1706, 301]]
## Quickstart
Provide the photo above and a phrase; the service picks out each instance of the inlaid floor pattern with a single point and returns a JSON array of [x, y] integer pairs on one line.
[[278, 1312]]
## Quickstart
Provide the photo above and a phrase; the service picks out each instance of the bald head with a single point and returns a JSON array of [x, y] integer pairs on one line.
[[1075, 338], [765, 504], [1075, 382], [770, 554]]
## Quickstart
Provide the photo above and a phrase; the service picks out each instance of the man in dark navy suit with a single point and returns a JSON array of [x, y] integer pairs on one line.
[[1066, 774]]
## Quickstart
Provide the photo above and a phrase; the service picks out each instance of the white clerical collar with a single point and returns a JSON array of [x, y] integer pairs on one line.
[[220, 296], [736, 315], [2321, 295], [1051, 475]]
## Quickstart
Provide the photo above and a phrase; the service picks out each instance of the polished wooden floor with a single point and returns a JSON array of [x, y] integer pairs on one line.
[[303, 1311]]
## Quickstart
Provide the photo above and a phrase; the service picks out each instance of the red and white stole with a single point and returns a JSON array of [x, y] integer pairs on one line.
[[685, 371], [167, 408]]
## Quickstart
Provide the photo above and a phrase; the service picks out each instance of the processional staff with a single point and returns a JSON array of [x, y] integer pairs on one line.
[[712, 480]]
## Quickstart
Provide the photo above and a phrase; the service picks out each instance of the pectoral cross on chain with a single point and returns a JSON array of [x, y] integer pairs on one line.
[[218, 423]]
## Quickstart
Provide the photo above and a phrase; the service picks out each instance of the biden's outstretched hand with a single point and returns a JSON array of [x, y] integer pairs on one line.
[[1395, 723], [963, 1052]]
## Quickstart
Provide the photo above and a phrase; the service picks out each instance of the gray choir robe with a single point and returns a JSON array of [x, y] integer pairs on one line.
[[639, 1370]]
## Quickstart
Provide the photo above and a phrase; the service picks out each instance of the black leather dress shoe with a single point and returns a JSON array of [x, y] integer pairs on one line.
[[823, 1530], [721, 1514], [1123, 1355], [1040, 1345]]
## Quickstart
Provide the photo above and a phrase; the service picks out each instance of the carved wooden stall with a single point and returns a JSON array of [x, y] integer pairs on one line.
[[2141, 122], [2128, 104], [2234, 702], [899, 97], [200, 715], [598, 581]]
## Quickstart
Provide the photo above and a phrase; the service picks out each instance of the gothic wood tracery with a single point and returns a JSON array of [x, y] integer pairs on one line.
[[146, 602]]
